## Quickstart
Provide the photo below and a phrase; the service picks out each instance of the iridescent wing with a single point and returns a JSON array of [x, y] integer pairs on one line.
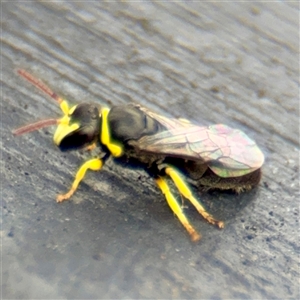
[[228, 152], [169, 123]]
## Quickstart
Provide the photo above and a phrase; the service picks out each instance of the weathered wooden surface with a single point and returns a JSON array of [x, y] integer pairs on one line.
[[232, 63]]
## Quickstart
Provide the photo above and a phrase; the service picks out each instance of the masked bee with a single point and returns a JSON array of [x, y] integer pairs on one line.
[[217, 156]]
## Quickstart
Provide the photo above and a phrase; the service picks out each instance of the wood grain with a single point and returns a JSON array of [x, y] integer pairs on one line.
[[235, 63]]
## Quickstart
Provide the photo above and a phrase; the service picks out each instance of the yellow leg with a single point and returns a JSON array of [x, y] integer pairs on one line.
[[94, 164], [185, 191], [177, 209]]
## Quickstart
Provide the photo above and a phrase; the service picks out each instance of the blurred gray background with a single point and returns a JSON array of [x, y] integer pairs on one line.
[[213, 62]]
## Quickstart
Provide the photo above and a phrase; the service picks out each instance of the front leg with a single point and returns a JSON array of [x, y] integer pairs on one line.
[[94, 164]]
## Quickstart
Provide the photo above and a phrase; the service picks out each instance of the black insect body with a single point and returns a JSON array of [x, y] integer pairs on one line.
[[216, 156]]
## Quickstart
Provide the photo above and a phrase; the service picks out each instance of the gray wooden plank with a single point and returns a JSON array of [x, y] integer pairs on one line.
[[210, 62]]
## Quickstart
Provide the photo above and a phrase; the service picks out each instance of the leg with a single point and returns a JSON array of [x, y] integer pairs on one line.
[[177, 209], [94, 164], [185, 191]]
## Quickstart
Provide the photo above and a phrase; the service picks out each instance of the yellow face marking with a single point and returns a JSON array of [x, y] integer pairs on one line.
[[63, 129], [115, 149], [71, 110], [64, 106]]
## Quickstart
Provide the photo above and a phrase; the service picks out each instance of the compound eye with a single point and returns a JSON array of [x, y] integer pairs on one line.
[[84, 113], [83, 128]]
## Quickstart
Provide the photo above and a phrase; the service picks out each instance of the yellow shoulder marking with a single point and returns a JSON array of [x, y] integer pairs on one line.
[[115, 149]]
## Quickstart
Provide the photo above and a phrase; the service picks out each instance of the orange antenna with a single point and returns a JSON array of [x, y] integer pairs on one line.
[[39, 84], [35, 126], [45, 89]]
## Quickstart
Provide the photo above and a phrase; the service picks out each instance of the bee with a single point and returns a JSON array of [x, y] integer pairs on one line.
[[216, 156]]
